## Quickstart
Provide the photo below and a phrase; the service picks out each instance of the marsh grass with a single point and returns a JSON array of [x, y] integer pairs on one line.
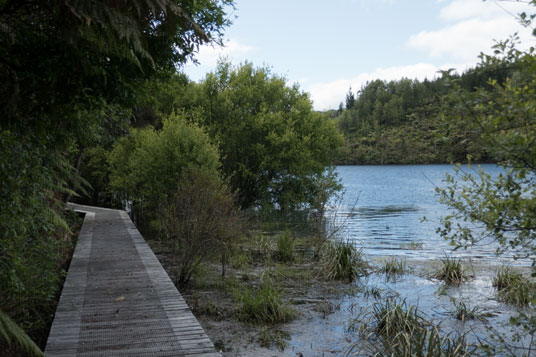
[[512, 287], [342, 261], [372, 291], [393, 267], [240, 260], [326, 307], [452, 271], [285, 247], [462, 312], [392, 328], [262, 305], [269, 337]]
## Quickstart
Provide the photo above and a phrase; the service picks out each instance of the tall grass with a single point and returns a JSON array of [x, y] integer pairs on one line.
[[285, 247], [392, 328], [513, 288], [342, 261], [393, 267], [451, 272], [263, 305]]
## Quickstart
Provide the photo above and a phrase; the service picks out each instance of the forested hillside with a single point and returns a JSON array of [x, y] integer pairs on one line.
[[400, 122]]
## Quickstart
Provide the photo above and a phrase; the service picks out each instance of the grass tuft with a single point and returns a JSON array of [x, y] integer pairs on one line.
[[393, 267], [285, 247], [462, 312], [513, 288], [342, 261], [451, 272], [268, 338], [263, 305], [395, 329]]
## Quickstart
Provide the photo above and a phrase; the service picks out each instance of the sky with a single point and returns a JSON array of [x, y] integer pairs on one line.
[[329, 46]]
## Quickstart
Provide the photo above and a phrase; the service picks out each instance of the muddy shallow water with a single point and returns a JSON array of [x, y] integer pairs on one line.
[[319, 335]]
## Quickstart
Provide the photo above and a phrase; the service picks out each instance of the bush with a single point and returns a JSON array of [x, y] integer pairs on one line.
[[147, 165], [199, 220]]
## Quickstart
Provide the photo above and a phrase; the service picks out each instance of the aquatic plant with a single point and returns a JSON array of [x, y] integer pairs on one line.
[[393, 267], [342, 261], [462, 312], [268, 337], [506, 277], [326, 307], [372, 291], [392, 328], [263, 305], [285, 247], [451, 272], [512, 287]]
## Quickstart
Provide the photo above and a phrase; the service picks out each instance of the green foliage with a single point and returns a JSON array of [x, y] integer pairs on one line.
[[199, 220], [285, 247], [274, 147], [12, 334], [400, 122], [342, 261], [147, 166], [263, 305], [34, 236], [504, 116]]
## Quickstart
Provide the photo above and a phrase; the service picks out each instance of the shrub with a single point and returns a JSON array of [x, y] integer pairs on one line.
[[199, 220], [342, 261]]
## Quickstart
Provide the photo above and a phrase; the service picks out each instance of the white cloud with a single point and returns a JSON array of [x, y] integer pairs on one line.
[[471, 26], [329, 95], [208, 57]]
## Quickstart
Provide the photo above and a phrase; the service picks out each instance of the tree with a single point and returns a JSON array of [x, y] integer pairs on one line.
[[504, 116], [273, 145], [350, 99], [69, 76], [147, 166]]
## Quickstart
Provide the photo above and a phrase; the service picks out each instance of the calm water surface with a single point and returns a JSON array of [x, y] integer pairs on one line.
[[390, 202]]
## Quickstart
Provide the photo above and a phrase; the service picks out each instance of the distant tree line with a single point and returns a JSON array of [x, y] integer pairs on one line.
[[400, 122]]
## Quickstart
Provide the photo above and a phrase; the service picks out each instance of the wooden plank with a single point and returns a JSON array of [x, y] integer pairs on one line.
[[118, 300]]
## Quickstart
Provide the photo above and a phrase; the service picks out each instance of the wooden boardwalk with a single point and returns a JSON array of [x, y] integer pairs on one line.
[[117, 299]]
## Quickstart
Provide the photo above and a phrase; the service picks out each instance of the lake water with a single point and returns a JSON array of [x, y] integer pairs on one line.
[[390, 202]]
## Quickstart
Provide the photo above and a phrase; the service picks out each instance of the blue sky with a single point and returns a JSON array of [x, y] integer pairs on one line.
[[328, 46]]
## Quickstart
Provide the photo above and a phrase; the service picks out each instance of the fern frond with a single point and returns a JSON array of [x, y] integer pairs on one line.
[[11, 333]]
